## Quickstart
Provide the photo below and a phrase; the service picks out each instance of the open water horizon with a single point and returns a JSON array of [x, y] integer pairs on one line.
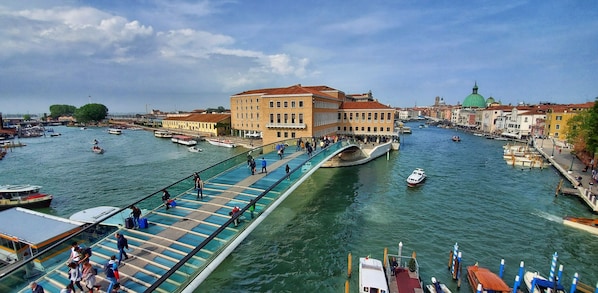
[[472, 197]]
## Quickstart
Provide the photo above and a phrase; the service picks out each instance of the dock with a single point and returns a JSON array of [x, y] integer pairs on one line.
[[571, 168]]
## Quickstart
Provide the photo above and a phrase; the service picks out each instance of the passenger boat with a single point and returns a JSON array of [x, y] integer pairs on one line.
[[115, 131], [184, 140], [396, 273], [586, 224], [221, 142], [456, 138], [487, 280], [31, 232], [535, 283], [437, 287], [417, 177], [23, 196], [97, 149], [194, 149], [162, 134]]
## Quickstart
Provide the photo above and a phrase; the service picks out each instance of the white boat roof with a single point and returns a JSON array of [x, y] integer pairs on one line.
[[18, 188], [93, 215], [371, 273], [33, 227]]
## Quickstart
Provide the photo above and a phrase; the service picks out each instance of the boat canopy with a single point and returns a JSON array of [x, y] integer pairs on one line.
[[34, 228], [548, 284]]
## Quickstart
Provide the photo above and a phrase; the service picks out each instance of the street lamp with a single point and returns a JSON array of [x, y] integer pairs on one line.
[[552, 156], [572, 158]]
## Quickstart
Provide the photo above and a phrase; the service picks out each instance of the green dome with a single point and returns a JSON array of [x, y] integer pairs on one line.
[[474, 100], [490, 101]]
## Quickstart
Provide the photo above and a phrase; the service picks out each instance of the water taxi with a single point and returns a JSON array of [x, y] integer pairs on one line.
[[586, 224], [115, 131], [23, 196], [221, 142], [535, 283], [163, 134], [484, 280], [417, 177]]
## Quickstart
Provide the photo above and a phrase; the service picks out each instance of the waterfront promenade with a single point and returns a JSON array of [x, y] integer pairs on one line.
[[562, 158]]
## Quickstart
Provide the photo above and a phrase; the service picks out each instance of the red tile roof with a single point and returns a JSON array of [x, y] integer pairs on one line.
[[364, 105], [196, 117], [292, 90]]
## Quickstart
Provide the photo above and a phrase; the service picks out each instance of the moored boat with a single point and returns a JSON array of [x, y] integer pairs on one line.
[[586, 224], [436, 287], [371, 276], [456, 138], [221, 142], [417, 177], [23, 196], [163, 134], [488, 281], [535, 283], [184, 140]]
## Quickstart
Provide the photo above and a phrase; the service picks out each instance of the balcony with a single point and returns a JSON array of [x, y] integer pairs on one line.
[[286, 125]]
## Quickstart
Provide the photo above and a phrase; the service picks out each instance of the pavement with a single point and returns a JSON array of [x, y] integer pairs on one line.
[[572, 168]]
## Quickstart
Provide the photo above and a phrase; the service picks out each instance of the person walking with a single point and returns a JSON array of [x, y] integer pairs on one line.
[[110, 273], [252, 166], [121, 244], [288, 170], [35, 288], [264, 166], [89, 277], [199, 186], [235, 215], [75, 275]]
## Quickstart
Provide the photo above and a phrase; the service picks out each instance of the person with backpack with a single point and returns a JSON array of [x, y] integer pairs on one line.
[[84, 255], [110, 268], [75, 275], [89, 277], [121, 244]]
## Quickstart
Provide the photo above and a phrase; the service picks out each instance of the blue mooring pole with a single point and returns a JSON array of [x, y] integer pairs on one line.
[[553, 267], [455, 252], [479, 288], [534, 283], [501, 270], [574, 283], [516, 285], [560, 275], [520, 271]]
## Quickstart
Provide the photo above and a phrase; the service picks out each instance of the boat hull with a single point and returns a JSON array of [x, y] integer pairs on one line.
[[222, 143], [489, 280], [585, 224], [35, 203]]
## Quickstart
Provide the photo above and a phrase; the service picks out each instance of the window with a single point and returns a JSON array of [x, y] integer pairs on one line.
[[293, 118], [362, 116], [277, 118], [350, 116], [382, 116], [557, 127], [375, 129], [300, 104], [292, 104], [375, 116], [388, 116], [278, 134], [293, 134], [559, 118], [271, 118], [271, 104], [344, 116], [277, 104], [339, 116], [286, 118], [368, 129], [369, 117], [286, 104], [286, 134], [301, 118]]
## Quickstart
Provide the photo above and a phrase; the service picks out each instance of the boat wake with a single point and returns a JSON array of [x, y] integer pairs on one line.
[[547, 216]]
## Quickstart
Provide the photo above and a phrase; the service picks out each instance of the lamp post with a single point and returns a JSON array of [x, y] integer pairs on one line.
[[571, 166], [552, 156]]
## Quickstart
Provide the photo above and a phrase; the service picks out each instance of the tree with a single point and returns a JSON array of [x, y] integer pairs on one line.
[[62, 110], [583, 131], [91, 113], [26, 117], [220, 109]]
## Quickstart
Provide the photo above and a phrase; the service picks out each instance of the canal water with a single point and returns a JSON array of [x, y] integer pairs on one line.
[[472, 197]]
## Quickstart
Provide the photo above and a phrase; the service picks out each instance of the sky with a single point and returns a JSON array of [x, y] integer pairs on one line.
[[170, 55]]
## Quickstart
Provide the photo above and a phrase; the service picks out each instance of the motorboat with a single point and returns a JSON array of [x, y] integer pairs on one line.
[[163, 134], [417, 177], [184, 140], [486, 280], [115, 131], [436, 287], [586, 224], [456, 138], [23, 196], [221, 142], [97, 149], [372, 277], [194, 149], [539, 284]]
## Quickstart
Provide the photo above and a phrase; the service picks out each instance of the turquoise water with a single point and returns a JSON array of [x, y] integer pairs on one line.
[[471, 197]]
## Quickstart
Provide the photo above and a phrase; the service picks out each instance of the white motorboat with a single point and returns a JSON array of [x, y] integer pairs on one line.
[[194, 149], [437, 287], [97, 149], [417, 176], [184, 140], [115, 131], [221, 142], [371, 276], [541, 284], [163, 134]]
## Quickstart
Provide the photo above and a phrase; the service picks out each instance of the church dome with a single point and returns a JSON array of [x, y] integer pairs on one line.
[[490, 101], [474, 100]]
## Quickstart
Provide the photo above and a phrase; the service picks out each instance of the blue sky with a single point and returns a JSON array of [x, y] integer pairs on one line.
[[185, 55]]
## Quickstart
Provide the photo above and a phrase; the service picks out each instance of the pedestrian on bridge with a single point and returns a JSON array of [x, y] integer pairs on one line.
[[199, 186], [264, 166], [288, 170]]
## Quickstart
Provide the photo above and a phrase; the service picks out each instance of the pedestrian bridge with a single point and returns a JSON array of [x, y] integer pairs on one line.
[[184, 244]]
